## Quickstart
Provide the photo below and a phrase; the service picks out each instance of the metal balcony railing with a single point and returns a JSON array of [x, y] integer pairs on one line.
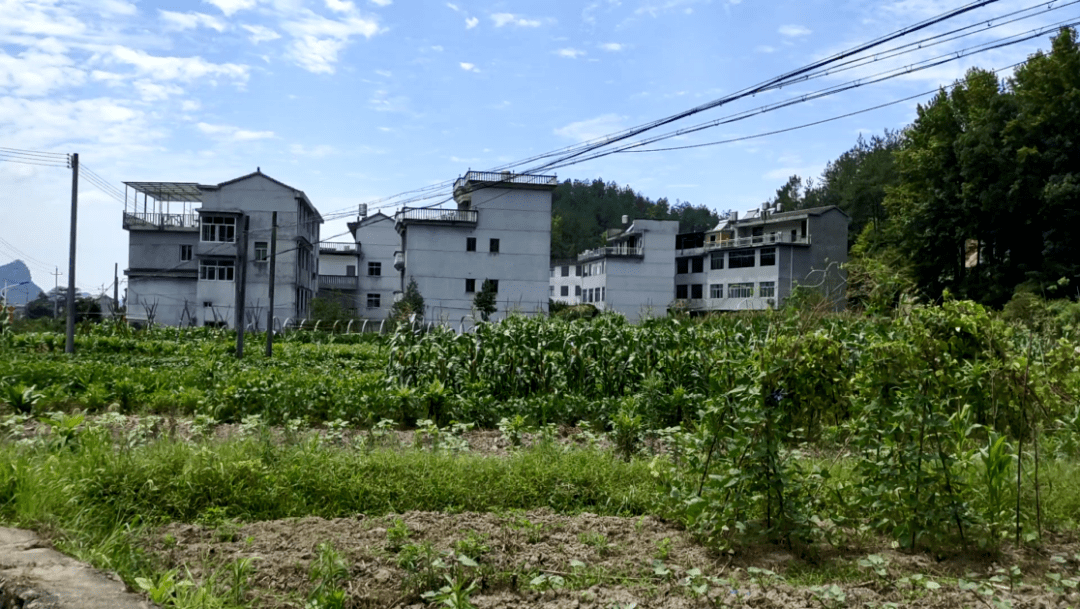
[[337, 247], [613, 251], [436, 215], [766, 239], [507, 178], [338, 282], [160, 221]]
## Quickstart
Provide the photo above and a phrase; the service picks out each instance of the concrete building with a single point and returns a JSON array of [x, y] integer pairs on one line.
[[377, 242], [193, 248], [633, 274], [500, 230], [756, 262]]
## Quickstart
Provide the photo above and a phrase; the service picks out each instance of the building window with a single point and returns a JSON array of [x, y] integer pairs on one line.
[[470, 286], [220, 229], [695, 291], [682, 266], [740, 290], [603, 293], [373, 301], [185, 252], [699, 264], [716, 290], [493, 246], [565, 271], [767, 289], [680, 292], [470, 244], [350, 270], [716, 263], [551, 290], [564, 290], [374, 269], [741, 259], [494, 284], [216, 270], [768, 256], [303, 297], [262, 251], [577, 271], [577, 290]]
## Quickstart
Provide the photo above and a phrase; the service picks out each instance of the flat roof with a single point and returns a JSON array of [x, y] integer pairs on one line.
[[169, 191]]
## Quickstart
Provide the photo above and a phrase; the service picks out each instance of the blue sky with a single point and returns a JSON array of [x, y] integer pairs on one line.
[[355, 101]]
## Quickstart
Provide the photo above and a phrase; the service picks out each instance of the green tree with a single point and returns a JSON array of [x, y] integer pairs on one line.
[[485, 300], [332, 308], [411, 303]]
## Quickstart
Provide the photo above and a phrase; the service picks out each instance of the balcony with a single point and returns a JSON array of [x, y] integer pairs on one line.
[[617, 251], [492, 178], [339, 282], [157, 221], [766, 239], [450, 217], [337, 247]]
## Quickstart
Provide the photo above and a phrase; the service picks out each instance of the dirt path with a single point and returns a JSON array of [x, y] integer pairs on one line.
[[34, 576]]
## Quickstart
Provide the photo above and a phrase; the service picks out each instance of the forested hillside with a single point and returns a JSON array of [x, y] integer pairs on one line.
[[582, 210], [979, 196]]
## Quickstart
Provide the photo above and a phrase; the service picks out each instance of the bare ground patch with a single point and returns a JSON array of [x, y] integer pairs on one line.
[[543, 559]]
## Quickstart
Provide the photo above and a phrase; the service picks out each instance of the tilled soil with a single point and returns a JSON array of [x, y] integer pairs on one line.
[[585, 560]]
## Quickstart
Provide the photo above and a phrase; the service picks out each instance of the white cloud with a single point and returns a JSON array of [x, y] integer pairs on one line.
[[793, 31], [469, 67], [260, 33], [340, 6], [319, 41], [186, 21], [502, 19], [471, 22], [593, 128], [231, 133], [314, 152], [437, 48], [385, 73], [32, 73], [190, 105], [151, 91], [177, 68], [764, 48], [231, 6], [569, 53], [614, 47], [453, 7], [382, 2]]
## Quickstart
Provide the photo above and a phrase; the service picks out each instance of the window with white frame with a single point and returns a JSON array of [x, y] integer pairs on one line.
[[564, 290], [768, 256], [741, 259], [716, 262], [216, 270], [767, 289], [374, 269], [185, 252], [716, 290], [740, 290], [220, 229], [374, 301], [262, 251]]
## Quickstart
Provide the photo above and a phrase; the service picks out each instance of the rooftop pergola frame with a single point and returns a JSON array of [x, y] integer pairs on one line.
[[159, 197]]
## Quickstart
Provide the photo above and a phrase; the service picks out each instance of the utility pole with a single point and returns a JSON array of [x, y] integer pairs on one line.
[[56, 292], [69, 345], [241, 288], [273, 273], [116, 289]]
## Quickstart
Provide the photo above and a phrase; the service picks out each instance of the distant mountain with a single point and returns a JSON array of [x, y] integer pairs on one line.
[[16, 272]]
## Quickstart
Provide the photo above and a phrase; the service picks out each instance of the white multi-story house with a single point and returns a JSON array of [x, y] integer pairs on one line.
[[633, 274], [756, 262], [194, 247], [377, 241], [500, 230]]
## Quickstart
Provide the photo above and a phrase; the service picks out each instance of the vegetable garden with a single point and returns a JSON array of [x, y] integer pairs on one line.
[[941, 430]]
